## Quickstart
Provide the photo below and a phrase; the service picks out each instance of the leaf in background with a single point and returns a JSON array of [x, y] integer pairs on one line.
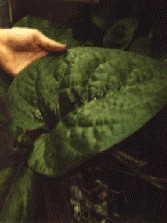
[[51, 30], [5, 183], [101, 23], [97, 98], [5, 133], [3, 121], [4, 175], [5, 82], [158, 36], [121, 33], [20, 202], [165, 60], [142, 46], [104, 16]]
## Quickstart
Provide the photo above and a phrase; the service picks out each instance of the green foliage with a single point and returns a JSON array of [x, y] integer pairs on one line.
[[5, 175], [146, 46], [121, 33], [51, 30], [19, 205], [142, 46], [131, 26], [85, 101], [5, 135], [101, 23]]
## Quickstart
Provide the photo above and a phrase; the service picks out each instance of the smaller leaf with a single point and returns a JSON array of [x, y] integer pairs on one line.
[[99, 22], [5, 174], [6, 178], [51, 30], [19, 205], [142, 46], [3, 120], [121, 33], [42, 158]]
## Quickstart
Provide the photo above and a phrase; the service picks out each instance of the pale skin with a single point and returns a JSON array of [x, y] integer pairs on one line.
[[21, 46]]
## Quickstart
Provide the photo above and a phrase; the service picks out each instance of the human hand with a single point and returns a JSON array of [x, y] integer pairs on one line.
[[21, 46]]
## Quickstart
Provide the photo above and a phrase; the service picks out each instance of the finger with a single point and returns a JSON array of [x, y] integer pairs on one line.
[[27, 58], [48, 44], [19, 60]]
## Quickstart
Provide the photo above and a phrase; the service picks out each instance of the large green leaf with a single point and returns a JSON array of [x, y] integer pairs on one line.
[[27, 103], [86, 101]]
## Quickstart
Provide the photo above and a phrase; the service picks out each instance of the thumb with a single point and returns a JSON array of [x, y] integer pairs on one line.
[[48, 44]]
